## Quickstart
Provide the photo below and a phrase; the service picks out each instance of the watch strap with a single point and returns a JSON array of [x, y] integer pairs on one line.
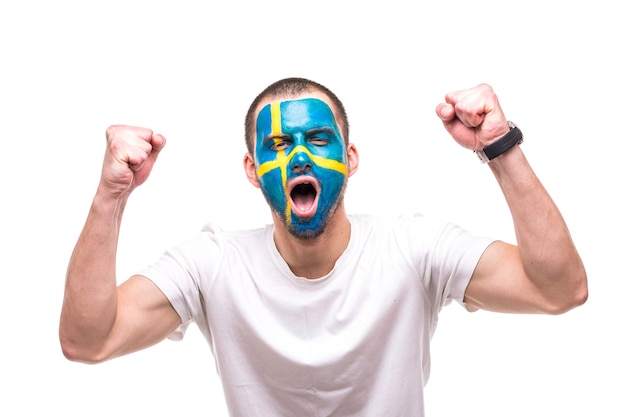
[[513, 137]]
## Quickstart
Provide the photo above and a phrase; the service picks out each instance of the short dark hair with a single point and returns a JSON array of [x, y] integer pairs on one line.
[[292, 88]]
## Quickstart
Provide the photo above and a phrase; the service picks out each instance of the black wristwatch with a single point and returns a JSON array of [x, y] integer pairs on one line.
[[506, 142]]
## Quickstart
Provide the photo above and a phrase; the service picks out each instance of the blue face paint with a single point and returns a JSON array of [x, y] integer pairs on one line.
[[301, 163]]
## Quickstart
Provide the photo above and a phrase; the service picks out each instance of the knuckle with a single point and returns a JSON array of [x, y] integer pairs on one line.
[[111, 130]]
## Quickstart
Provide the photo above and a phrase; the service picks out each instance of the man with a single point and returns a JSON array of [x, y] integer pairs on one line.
[[320, 313]]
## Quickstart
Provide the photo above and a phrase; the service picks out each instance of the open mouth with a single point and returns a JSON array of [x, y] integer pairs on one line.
[[303, 193]]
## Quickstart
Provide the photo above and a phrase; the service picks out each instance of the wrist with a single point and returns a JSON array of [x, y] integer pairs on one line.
[[106, 201], [510, 139]]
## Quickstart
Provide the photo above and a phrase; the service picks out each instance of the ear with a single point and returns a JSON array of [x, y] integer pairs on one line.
[[353, 159], [250, 167]]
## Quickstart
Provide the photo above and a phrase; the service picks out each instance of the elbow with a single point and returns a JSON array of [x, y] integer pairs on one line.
[[573, 298], [582, 293], [580, 296], [71, 354], [576, 300], [76, 352]]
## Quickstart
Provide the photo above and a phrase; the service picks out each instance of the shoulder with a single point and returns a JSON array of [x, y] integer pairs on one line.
[[400, 223], [215, 232], [237, 241], [415, 231]]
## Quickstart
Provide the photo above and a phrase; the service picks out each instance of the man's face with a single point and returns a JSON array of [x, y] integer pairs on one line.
[[300, 160]]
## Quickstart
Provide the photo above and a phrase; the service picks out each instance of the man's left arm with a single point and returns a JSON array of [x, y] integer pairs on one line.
[[543, 273]]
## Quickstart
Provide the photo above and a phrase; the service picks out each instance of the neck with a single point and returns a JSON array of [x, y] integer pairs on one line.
[[314, 258]]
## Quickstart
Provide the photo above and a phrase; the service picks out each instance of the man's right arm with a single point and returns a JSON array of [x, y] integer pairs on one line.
[[99, 319]]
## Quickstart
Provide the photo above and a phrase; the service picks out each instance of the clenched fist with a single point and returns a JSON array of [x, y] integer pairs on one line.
[[130, 155], [473, 117]]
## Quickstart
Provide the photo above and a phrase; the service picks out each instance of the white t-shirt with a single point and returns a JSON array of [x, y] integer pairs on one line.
[[352, 343]]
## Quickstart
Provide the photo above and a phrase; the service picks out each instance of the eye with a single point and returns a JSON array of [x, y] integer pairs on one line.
[[319, 141], [279, 144]]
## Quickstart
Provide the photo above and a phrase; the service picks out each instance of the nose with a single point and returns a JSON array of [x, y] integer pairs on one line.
[[301, 162]]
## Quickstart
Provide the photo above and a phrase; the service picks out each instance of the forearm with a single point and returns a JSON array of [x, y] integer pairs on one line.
[[90, 302], [550, 259]]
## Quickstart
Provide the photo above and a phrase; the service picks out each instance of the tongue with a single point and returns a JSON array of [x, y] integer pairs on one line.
[[303, 202]]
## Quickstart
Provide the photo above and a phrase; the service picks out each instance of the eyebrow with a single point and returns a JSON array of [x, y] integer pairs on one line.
[[318, 130], [309, 133], [273, 136]]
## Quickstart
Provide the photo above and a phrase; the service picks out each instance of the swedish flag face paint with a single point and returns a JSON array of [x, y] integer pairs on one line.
[[301, 163]]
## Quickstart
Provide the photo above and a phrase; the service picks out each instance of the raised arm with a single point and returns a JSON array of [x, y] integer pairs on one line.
[[543, 273], [100, 320]]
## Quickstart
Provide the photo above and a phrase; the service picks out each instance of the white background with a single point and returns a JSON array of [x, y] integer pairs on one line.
[[189, 69]]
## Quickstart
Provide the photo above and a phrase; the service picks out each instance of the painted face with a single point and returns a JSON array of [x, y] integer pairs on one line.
[[301, 163]]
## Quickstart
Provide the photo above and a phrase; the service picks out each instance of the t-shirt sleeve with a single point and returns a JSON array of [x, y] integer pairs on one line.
[[182, 272], [446, 255]]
